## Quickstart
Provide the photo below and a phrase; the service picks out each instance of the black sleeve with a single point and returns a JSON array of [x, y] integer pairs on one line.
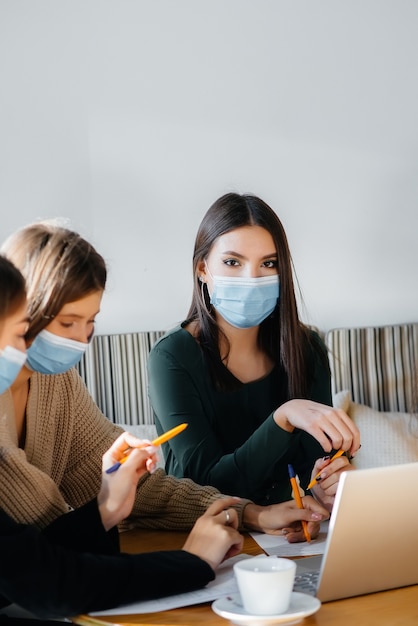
[[51, 581], [82, 530]]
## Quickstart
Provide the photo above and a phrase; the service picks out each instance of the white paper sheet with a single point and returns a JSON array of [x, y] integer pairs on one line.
[[223, 585], [277, 545]]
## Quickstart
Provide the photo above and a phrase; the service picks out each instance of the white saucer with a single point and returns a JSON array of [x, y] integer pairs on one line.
[[230, 607]]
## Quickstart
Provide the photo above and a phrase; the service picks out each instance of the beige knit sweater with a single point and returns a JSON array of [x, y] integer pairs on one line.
[[60, 466]]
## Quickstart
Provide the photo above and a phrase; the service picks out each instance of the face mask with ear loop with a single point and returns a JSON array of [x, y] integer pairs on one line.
[[244, 302], [52, 354], [11, 362]]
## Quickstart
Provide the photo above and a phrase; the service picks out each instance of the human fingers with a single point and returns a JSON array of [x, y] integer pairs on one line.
[[316, 474], [222, 542], [151, 464], [319, 465], [314, 510], [331, 427], [342, 431], [327, 466], [223, 512], [272, 519], [213, 540], [117, 492], [313, 513], [122, 445], [139, 459], [336, 426], [291, 513], [235, 548], [295, 534], [135, 442], [329, 476]]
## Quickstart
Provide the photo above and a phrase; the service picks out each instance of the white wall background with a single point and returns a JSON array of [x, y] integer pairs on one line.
[[130, 117]]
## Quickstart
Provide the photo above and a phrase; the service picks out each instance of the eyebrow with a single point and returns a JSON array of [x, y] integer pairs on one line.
[[241, 256], [76, 315]]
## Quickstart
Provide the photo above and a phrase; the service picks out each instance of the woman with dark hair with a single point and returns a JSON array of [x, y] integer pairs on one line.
[[13, 323], [53, 435], [250, 379]]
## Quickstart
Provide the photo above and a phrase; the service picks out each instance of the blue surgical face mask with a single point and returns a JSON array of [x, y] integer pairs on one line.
[[52, 354], [245, 302], [11, 362]]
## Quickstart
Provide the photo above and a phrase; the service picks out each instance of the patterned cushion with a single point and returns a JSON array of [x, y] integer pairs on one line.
[[387, 438], [377, 364]]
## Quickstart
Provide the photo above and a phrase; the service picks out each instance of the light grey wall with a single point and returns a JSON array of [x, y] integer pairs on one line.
[[130, 117]]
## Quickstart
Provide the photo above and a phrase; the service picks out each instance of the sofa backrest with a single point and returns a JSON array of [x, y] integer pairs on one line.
[[114, 369], [378, 365]]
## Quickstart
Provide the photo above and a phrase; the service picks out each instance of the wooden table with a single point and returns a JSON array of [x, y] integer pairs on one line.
[[398, 607]]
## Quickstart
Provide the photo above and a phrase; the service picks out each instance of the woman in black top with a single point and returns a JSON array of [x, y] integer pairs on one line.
[[74, 565]]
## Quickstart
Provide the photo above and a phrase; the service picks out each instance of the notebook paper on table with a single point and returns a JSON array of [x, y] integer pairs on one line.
[[277, 545]]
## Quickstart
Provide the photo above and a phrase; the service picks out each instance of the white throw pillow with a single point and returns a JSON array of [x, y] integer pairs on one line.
[[342, 400], [386, 438]]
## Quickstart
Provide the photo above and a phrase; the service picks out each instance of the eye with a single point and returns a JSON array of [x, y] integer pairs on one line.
[[271, 264], [231, 262], [66, 324]]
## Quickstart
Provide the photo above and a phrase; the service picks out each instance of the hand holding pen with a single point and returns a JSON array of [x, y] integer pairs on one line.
[[318, 476], [298, 499], [157, 442], [118, 490]]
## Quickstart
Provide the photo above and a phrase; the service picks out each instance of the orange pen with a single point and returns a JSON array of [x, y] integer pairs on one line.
[[296, 495], [157, 442], [314, 480]]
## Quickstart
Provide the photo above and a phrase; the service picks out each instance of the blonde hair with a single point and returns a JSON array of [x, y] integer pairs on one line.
[[58, 265]]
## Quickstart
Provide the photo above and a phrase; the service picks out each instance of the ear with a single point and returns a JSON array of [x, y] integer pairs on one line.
[[201, 271]]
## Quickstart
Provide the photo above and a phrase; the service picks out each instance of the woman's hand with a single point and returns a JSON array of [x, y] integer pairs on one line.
[[117, 493], [331, 427], [285, 518], [214, 536], [327, 483]]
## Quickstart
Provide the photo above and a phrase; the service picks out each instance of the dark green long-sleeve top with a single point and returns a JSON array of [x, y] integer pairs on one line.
[[231, 441]]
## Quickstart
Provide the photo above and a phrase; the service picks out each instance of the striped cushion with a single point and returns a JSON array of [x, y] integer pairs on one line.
[[377, 364], [114, 369]]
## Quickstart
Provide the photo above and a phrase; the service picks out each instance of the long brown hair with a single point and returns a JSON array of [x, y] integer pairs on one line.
[[59, 266], [282, 335]]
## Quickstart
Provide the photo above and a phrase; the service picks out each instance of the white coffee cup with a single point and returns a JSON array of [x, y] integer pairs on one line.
[[265, 584]]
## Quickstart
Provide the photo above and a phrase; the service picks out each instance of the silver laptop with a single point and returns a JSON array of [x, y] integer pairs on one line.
[[372, 542]]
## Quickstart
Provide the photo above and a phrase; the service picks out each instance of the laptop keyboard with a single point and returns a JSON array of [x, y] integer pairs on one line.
[[306, 582]]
